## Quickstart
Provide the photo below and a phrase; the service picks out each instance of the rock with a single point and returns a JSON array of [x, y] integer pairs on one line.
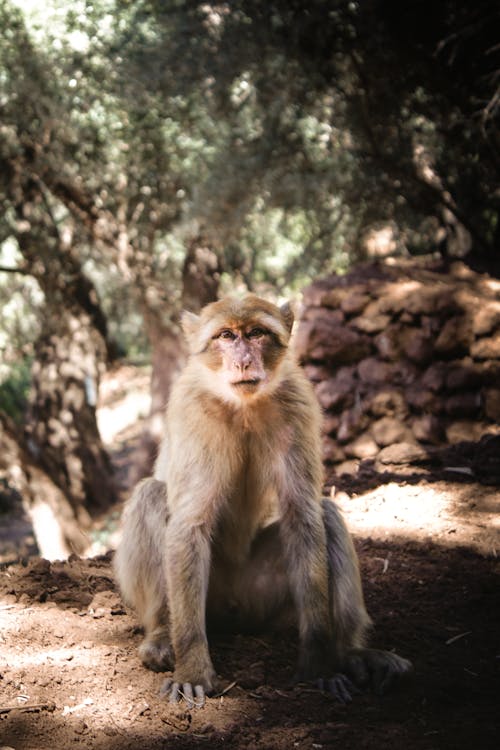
[[363, 447], [388, 402], [491, 398], [434, 377], [332, 452], [330, 424], [422, 399], [394, 298], [428, 429], [463, 404], [354, 303], [387, 343], [372, 371], [390, 430], [315, 295], [419, 356], [405, 372], [417, 298], [334, 297], [487, 348], [338, 392], [347, 467], [486, 319], [316, 373], [455, 337], [321, 341], [465, 374], [466, 430], [371, 323], [401, 453], [331, 317], [490, 372], [416, 345], [40, 566], [351, 424]]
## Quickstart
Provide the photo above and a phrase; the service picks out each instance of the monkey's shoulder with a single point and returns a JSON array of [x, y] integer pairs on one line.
[[296, 396]]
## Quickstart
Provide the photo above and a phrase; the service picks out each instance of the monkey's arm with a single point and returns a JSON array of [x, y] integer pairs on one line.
[[304, 544], [187, 559]]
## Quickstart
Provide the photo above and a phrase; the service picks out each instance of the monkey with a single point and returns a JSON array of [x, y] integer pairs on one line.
[[232, 528]]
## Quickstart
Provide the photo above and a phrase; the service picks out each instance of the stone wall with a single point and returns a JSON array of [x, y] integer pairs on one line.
[[404, 357]]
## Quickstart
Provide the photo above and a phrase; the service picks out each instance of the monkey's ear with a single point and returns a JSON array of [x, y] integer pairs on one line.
[[288, 316], [190, 325]]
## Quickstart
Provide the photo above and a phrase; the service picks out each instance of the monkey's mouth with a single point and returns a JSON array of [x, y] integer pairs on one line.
[[250, 383]]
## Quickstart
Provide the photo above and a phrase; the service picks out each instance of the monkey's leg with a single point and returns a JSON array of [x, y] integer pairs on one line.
[[254, 596], [350, 619], [140, 569]]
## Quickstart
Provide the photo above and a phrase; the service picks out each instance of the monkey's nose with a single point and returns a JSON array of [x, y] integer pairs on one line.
[[241, 365]]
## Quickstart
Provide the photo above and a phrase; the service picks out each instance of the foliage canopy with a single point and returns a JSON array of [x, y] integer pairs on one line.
[[279, 132]]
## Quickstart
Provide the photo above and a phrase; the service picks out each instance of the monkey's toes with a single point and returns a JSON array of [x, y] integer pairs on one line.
[[380, 669], [385, 675], [176, 691]]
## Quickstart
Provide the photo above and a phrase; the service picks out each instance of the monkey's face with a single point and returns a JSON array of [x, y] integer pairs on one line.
[[242, 357], [240, 344]]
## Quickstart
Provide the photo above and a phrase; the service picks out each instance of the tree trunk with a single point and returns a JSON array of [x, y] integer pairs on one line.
[[200, 275], [62, 437], [61, 423], [56, 529], [200, 284], [167, 357]]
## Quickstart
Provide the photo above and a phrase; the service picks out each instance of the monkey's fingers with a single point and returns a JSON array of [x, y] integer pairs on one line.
[[187, 694], [176, 691], [169, 689], [358, 670], [200, 696], [339, 686]]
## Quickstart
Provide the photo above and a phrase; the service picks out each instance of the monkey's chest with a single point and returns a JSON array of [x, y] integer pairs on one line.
[[249, 509]]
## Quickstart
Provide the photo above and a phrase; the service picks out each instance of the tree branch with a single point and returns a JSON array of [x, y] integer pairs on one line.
[[24, 271]]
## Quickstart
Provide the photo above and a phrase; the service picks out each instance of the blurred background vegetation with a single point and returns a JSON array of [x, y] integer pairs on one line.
[[154, 155]]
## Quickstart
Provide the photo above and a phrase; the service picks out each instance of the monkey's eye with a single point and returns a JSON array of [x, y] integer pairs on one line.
[[226, 334], [256, 333]]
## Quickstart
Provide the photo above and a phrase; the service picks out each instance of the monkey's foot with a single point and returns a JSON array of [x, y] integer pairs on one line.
[[375, 668], [156, 655]]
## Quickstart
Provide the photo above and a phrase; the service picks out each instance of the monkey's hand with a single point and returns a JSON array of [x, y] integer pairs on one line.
[[375, 668], [194, 695], [312, 668], [156, 654], [339, 686], [193, 692]]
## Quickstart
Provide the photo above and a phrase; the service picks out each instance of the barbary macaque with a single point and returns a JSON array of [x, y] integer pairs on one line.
[[233, 529]]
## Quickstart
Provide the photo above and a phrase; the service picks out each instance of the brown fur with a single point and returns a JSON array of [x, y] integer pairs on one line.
[[233, 526]]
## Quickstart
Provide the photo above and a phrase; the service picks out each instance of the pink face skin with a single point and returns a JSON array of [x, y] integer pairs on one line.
[[240, 345], [243, 356]]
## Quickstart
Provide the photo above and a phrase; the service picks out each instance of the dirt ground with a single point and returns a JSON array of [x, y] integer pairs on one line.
[[427, 537]]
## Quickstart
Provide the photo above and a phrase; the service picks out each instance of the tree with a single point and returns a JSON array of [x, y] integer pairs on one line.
[[57, 529], [73, 344], [153, 154], [388, 107]]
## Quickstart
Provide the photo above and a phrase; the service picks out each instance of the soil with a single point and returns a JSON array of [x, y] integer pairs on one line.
[[427, 539]]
